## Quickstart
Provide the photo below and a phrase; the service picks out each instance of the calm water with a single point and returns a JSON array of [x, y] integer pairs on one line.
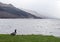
[[30, 26]]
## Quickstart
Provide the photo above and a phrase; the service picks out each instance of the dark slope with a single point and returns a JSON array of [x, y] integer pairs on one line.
[[9, 11]]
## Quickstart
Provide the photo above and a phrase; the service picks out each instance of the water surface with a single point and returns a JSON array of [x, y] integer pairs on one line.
[[30, 26]]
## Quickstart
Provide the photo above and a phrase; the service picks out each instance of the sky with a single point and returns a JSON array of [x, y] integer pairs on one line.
[[49, 8]]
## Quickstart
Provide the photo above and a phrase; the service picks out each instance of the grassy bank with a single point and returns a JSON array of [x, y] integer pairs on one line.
[[28, 38]]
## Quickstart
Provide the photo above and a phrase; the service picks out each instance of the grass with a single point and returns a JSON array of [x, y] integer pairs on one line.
[[28, 38]]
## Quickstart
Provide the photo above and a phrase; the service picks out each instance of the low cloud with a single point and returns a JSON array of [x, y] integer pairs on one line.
[[49, 8]]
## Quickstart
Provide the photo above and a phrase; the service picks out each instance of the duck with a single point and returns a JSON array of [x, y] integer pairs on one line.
[[14, 33]]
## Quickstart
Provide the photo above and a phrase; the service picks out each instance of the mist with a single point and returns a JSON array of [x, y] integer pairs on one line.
[[48, 8]]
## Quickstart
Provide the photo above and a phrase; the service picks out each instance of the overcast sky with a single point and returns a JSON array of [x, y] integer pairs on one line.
[[45, 7]]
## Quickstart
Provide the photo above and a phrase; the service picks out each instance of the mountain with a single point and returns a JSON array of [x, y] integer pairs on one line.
[[9, 11], [38, 14], [35, 13]]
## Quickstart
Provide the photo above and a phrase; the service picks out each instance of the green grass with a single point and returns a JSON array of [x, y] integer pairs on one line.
[[28, 38]]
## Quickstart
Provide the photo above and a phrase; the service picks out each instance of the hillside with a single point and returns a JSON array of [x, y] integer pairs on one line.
[[9, 11]]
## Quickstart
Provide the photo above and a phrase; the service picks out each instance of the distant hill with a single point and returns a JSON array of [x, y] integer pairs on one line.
[[38, 14], [9, 11]]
